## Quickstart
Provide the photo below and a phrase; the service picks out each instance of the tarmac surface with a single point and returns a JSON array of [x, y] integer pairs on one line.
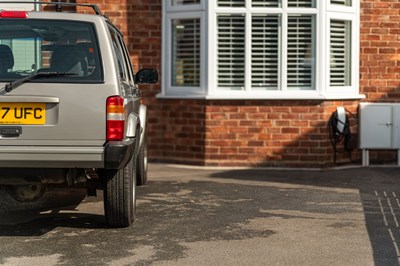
[[200, 216]]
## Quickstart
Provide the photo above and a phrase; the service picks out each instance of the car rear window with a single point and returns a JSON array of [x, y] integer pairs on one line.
[[29, 46]]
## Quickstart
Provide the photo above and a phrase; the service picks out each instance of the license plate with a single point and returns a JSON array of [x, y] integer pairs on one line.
[[22, 113]]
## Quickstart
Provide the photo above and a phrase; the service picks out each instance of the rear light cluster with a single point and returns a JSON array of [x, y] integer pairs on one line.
[[115, 118], [13, 14]]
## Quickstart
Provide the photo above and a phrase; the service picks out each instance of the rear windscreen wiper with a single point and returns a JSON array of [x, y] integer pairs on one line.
[[16, 83]]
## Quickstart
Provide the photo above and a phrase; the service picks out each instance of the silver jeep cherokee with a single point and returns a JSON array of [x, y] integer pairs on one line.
[[70, 109]]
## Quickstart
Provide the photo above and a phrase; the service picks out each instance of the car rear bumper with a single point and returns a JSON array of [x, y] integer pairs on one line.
[[118, 153], [114, 155], [52, 157]]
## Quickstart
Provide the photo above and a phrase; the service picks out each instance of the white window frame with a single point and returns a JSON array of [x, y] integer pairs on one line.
[[169, 89], [354, 59], [183, 8], [208, 12], [344, 13], [249, 92]]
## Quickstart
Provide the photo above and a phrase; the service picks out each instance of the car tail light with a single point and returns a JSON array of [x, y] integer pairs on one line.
[[13, 14], [115, 118]]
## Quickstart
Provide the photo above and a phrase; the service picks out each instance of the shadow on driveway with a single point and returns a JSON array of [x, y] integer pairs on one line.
[[40, 217], [379, 190]]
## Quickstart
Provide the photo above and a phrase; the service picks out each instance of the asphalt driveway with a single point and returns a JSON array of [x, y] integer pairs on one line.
[[188, 216]]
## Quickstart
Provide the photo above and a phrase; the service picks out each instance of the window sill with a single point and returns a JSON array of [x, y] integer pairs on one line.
[[240, 96]]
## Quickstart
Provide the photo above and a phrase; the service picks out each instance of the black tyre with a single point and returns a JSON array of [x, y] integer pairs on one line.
[[141, 164], [120, 196]]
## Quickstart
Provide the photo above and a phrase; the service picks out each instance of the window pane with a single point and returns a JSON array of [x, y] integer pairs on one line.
[[340, 47], [301, 3], [231, 51], [25, 52], [300, 61], [266, 3], [121, 60], [231, 3], [186, 52], [341, 2], [185, 2], [265, 52]]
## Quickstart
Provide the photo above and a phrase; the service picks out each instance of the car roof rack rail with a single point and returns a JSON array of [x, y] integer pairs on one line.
[[59, 5]]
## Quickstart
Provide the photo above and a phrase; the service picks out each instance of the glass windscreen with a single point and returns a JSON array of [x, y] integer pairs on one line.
[[30, 46]]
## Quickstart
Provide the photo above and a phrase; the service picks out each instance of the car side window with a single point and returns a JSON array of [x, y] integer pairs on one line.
[[127, 60], [118, 54]]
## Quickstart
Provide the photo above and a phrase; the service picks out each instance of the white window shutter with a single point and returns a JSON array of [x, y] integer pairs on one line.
[[231, 3], [340, 53], [185, 2], [231, 51], [301, 3], [265, 52], [300, 58], [263, 3], [341, 2]]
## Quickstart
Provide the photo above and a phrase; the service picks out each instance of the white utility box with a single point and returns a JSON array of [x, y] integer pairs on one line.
[[379, 128]]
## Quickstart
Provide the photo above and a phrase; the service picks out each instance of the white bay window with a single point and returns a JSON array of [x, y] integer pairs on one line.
[[276, 49]]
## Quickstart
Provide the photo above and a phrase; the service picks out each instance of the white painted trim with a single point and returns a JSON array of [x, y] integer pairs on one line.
[[164, 45], [242, 95], [211, 47], [283, 53], [321, 56]]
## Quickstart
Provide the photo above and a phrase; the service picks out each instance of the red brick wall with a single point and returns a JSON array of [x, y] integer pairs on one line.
[[380, 50], [271, 133], [177, 131], [261, 133], [244, 133]]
